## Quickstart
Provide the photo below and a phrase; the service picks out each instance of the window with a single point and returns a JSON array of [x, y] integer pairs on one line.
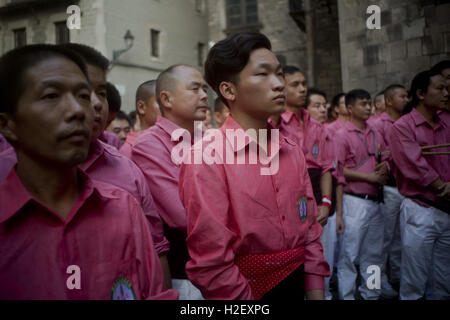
[[200, 53], [20, 37], [241, 13], [154, 40], [62, 32]]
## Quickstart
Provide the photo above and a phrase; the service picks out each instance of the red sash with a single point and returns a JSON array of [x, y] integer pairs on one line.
[[265, 271]]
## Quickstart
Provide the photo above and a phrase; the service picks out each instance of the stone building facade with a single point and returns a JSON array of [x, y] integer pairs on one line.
[[180, 33], [414, 35]]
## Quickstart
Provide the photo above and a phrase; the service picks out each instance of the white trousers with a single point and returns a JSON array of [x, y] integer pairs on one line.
[[392, 242], [186, 289], [425, 234], [329, 243], [362, 242]]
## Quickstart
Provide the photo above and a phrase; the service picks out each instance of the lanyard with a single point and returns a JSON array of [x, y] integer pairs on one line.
[[369, 154]]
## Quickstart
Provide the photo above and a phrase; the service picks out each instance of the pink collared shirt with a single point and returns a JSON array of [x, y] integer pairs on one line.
[[106, 164], [312, 140], [416, 171], [152, 153], [103, 237], [4, 144], [233, 210], [334, 126], [383, 124], [111, 139], [127, 146], [353, 153]]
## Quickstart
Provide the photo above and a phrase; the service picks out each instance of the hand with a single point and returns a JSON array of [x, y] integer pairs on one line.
[[340, 225], [377, 178], [382, 168], [444, 190], [315, 295], [322, 216]]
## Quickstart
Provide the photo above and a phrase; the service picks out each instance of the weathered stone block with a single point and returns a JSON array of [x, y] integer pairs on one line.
[[395, 32], [414, 47], [398, 50]]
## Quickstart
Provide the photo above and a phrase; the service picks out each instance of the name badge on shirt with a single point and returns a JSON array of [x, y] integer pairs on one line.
[[315, 150], [122, 290], [302, 208]]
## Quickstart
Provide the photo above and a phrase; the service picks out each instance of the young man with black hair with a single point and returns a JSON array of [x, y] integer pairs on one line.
[[221, 112], [361, 175], [316, 104], [396, 98], [182, 96], [252, 228], [147, 110], [106, 164], [114, 104], [423, 177], [379, 107], [338, 104], [63, 235], [120, 126]]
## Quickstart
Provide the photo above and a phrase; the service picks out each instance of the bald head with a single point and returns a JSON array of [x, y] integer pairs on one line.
[[146, 90], [167, 80], [389, 92]]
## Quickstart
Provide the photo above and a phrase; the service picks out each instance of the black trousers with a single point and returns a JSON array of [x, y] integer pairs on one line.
[[291, 288]]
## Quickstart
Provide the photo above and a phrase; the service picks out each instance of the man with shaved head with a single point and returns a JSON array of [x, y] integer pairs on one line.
[[182, 96], [396, 98], [379, 107]]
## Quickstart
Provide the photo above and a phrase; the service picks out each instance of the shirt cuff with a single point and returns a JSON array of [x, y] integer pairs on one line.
[[428, 178], [314, 282]]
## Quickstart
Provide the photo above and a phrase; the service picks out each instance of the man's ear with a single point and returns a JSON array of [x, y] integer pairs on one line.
[[166, 99], [140, 107], [420, 94], [228, 90], [7, 127]]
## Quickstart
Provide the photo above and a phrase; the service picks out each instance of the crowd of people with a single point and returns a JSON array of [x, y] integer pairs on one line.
[[349, 199]]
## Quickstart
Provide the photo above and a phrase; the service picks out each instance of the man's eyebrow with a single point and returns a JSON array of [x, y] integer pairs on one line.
[[59, 85], [268, 66]]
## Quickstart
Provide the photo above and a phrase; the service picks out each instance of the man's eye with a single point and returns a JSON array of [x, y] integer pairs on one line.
[[262, 74], [50, 96], [102, 94]]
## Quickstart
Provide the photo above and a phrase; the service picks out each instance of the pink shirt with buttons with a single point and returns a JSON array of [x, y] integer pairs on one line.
[[416, 171], [233, 210], [104, 237]]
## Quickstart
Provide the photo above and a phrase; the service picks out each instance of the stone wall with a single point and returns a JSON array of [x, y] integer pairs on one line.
[[414, 35]]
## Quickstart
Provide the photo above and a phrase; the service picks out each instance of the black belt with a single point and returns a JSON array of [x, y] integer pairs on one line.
[[364, 196], [443, 206]]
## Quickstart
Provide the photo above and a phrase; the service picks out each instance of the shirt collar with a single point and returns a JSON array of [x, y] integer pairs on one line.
[[419, 119], [351, 127], [386, 117], [14, 193], [166, 125]]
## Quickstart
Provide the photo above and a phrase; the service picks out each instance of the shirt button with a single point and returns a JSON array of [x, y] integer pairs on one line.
[[282, 218], [277, 189]]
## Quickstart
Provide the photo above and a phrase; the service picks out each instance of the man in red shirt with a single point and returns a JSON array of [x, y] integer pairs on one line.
[[252, 228], [396, 98], [63, 235], [147, 109], [361, 176], [182, 96], [423, 177]]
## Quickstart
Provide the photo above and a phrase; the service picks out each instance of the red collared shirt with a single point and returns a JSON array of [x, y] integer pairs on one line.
[[233, 210], [103, 235], [106, 164], [312, 139], [152, 153], [416, 171], [4, 144], [127, 146], [111, 139], [334, 126], [383, 124], [353, 153]]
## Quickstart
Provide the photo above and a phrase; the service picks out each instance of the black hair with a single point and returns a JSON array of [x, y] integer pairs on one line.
[[378, 95], [389, 90], [228, 57], [441, 66], [291, 70], [113, 97], [218, 105], [145, 91], [89, 54], [132, 118], [335, 100], [355, 94], [123, 116], [15, 63], [313, 91], [421, 81]]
